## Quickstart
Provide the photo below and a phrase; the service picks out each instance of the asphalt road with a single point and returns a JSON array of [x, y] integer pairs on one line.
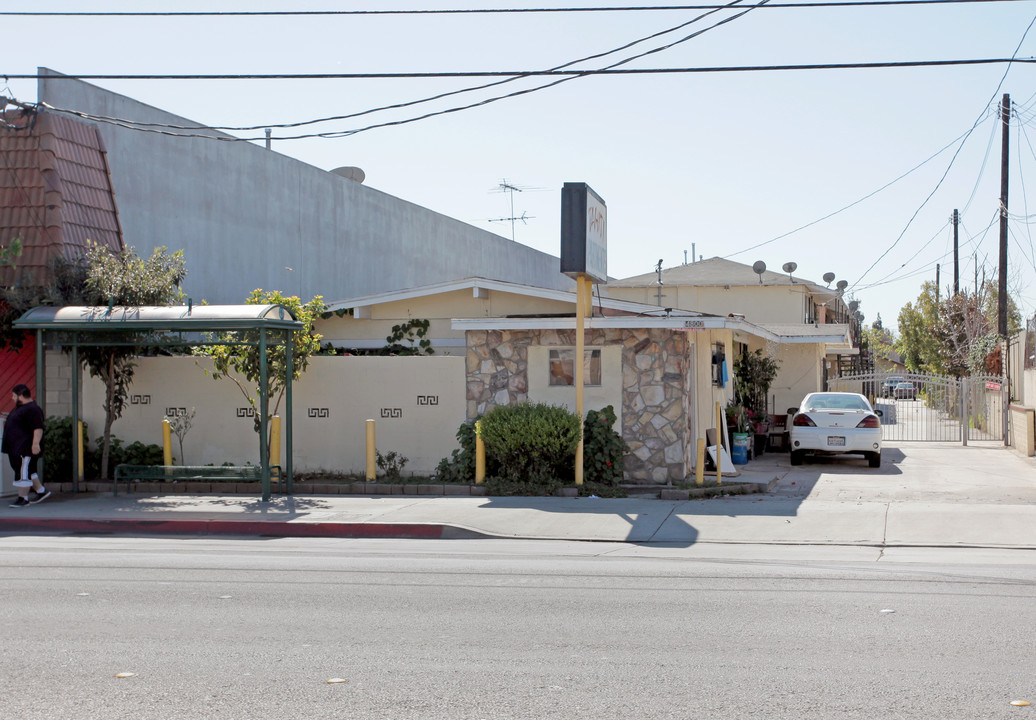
[[509, 629]]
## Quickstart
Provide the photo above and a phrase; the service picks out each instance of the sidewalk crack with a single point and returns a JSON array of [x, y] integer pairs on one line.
[[884, 532], [661, 524]]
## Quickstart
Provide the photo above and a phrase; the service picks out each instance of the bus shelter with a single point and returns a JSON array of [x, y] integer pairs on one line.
[[172, 329]]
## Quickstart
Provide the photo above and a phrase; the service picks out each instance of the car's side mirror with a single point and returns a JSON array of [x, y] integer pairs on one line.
[[879, 413], [792, 411]]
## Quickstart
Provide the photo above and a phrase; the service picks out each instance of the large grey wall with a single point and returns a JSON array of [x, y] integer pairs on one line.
[[243, 214]]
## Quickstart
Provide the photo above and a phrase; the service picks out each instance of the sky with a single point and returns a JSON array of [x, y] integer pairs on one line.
[[849, 171]]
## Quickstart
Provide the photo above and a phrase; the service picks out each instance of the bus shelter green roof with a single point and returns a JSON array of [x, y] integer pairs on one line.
[[182, 318]]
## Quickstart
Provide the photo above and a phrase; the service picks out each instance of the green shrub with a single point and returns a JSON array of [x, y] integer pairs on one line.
[[532, 443], [57, 448], [391, 464], [603, 448], [460, 466], [57, 452]]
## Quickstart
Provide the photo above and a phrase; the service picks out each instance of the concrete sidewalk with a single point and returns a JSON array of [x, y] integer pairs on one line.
[[941, 496]]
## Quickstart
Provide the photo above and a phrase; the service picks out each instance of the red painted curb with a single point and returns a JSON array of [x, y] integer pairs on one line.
[[259, 528]]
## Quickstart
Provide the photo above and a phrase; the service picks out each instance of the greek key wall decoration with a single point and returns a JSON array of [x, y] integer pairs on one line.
[[175, 412], [318, 412], [427, 399], [140, 399], [392, 412], [246, 412]]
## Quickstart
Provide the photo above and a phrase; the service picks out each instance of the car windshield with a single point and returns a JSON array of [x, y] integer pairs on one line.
[[836, 401]]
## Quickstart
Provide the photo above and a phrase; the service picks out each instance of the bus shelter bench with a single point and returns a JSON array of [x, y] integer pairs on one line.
[[252, 473]]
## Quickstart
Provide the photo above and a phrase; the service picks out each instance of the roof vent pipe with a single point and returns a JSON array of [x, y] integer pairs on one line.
[[269, 134]]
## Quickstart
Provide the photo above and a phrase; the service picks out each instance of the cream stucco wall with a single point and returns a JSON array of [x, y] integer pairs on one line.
[[439, 310], [417, 403], [763, 304], [708, 394], [800, 373]]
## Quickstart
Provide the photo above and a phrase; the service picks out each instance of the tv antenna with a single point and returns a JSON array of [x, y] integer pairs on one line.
[[511, 188], [759, 267], [789, 267]]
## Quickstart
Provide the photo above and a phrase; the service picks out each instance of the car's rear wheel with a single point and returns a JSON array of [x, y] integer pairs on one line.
[[874, 459], [796, 457]]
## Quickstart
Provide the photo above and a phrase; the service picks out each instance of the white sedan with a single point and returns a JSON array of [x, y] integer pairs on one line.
[[834, 423]]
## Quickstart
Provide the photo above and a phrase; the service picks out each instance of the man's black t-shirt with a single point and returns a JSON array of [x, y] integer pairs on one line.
[[19, 426]]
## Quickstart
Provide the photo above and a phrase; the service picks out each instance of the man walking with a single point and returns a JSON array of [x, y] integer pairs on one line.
[[23, 443]]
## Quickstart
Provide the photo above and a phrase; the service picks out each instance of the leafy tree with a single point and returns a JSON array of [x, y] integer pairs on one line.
[[100, 277], [235, 362], [10, 252], [124, 278], [955, 335], [878, 340]]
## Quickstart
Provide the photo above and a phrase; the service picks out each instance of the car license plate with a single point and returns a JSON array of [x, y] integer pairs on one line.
[[836, 441]]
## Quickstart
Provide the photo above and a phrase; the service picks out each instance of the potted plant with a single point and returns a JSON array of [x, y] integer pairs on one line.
[[738, 426], [754, 373]]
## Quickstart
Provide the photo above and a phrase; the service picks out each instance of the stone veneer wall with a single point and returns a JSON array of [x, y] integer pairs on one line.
[[655, 389]]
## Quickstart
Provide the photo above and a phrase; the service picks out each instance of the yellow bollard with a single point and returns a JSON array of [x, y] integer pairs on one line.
[[372, 466], [719, 444], [82, 456], [480, 457], [699, 465], [275, 441], [167, 444]]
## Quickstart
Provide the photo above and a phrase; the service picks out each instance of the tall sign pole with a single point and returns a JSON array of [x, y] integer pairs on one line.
[[584, 257]]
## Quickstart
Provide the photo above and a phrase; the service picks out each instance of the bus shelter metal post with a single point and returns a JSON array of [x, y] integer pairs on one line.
[[264, 404], [289, 342], [75, 415]]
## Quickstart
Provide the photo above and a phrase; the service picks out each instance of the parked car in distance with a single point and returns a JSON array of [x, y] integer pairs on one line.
[[904, 391], [835, 423], [888, 387]]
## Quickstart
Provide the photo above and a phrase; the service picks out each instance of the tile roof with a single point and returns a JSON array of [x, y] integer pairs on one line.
[[55, 191]]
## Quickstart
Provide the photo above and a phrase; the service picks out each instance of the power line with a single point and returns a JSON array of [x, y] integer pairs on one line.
[[522, 73], [471, 11], [347, 133], [411, 103], [950, 166], [852, 204]]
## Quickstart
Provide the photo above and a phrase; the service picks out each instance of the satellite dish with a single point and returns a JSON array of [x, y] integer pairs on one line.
[[842, 285], [759, 267], [828, 277], [350, 173], [789, 267], [853, 304]]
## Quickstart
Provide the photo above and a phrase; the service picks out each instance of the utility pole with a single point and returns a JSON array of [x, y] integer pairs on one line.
[[956, 257], [1001, 308], [936, 283]]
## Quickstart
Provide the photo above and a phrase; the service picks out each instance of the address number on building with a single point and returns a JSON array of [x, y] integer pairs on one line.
[[694, 324]]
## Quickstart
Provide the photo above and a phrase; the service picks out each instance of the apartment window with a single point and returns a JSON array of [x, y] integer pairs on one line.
[[563, 367]]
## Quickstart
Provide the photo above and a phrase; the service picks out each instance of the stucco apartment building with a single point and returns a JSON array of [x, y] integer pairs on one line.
[[787, 306]]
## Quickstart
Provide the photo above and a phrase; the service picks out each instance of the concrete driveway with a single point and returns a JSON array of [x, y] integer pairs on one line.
[[925, 494]]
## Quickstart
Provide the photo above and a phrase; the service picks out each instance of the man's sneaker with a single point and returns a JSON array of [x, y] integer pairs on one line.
[[21, 502], [41, 498]]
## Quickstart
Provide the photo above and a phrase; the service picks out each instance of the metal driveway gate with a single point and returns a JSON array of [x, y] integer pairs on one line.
[[933, 408]]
